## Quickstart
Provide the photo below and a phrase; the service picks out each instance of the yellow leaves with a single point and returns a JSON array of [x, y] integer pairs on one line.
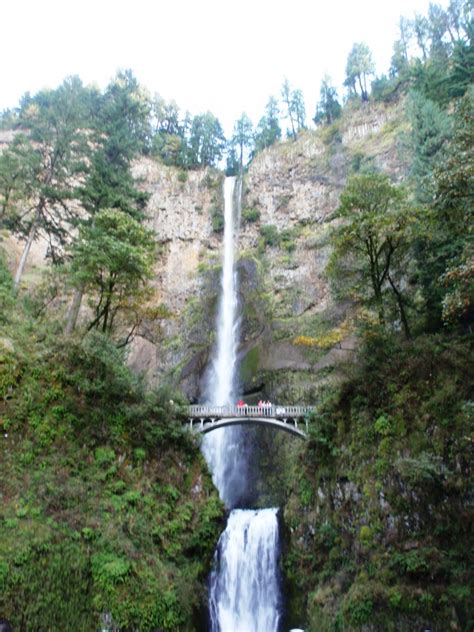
[[325, 341]]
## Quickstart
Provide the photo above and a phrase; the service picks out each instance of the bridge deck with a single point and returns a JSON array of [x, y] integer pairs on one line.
[[201, 410], [203, 418]]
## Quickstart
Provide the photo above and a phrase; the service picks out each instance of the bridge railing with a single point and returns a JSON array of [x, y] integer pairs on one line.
[[201, 410]]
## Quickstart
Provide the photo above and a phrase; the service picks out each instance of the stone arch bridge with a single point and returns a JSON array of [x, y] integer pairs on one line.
[[292, 419]]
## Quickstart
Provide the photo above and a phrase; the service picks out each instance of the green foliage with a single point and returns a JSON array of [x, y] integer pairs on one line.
[[76, 527], [217, 219], [430, 130], [328, 108], [6, 290], [268, 129], [444, 253], [242, 140], [393, 492], [295, 109], [250, 215], [112, 259], [206, 141], [359, 67], [370, 246], [270, 235]]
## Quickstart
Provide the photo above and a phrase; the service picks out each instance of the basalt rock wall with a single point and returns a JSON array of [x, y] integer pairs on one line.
[[289, 196]]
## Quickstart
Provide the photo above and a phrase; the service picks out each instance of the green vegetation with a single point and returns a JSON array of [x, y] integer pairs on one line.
[[250, 215], [106, 503], [386, 538]]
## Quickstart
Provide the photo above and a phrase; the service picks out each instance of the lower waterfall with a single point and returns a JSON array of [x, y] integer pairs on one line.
[[245, 592], [244, 586]]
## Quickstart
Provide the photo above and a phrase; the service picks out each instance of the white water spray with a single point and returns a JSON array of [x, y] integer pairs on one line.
[[244, 587], [245, 595]]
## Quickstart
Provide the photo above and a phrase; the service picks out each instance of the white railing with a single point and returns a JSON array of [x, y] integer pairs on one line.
[[275, 411]]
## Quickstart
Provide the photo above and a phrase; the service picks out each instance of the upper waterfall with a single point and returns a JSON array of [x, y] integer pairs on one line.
[[220, 385], [224, 450]]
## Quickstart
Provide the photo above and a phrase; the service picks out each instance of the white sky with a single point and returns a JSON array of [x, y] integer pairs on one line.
[[226, 56]]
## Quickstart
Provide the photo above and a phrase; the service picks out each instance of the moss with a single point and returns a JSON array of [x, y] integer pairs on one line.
[[249, 365]]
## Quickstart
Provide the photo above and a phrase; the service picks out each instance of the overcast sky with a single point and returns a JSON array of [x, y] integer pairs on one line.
[[218, 55]]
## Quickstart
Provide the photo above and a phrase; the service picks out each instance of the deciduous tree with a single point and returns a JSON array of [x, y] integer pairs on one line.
[[112, 261], [370, 243]]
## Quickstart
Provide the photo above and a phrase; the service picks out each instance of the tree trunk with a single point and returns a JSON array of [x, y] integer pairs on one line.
[[401, 308], [24, 254], [73, 311]]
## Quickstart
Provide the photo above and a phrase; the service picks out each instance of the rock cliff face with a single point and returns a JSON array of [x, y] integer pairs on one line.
[[289, 197]]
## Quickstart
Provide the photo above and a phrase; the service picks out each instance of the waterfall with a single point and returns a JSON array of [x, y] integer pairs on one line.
[[222, 448], [244, 585], [245, 594]]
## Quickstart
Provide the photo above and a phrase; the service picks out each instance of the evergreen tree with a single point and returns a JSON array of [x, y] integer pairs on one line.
[[206, 141], [268, 129], [430, 130], [168, 132], [328, 108], [295, 109], [451, 251], [119, 127], [359, 67], [50, 162], [242, 138], [299, 110]]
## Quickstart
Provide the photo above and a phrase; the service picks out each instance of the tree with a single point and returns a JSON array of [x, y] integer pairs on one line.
[[168, 132], [430, 130], [18, 168], [449, 256], [206, 141], [268, 129], [112, 259], [401, 57], [125, 116], [242, 137], [437, 28], [421, 30], [359, 67], [328, 108], [118, 121], [370, 244], [50, 161], [287, 101], [295, 108], [299, 110]]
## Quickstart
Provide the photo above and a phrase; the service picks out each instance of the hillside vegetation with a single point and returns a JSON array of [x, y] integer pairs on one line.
[[107, 508]]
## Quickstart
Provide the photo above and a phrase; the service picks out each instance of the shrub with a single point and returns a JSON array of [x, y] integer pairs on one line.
[[270, 235], [217, 219], [250, 215]]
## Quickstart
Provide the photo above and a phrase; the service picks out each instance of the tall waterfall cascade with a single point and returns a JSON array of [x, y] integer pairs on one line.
[[244, 585]]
